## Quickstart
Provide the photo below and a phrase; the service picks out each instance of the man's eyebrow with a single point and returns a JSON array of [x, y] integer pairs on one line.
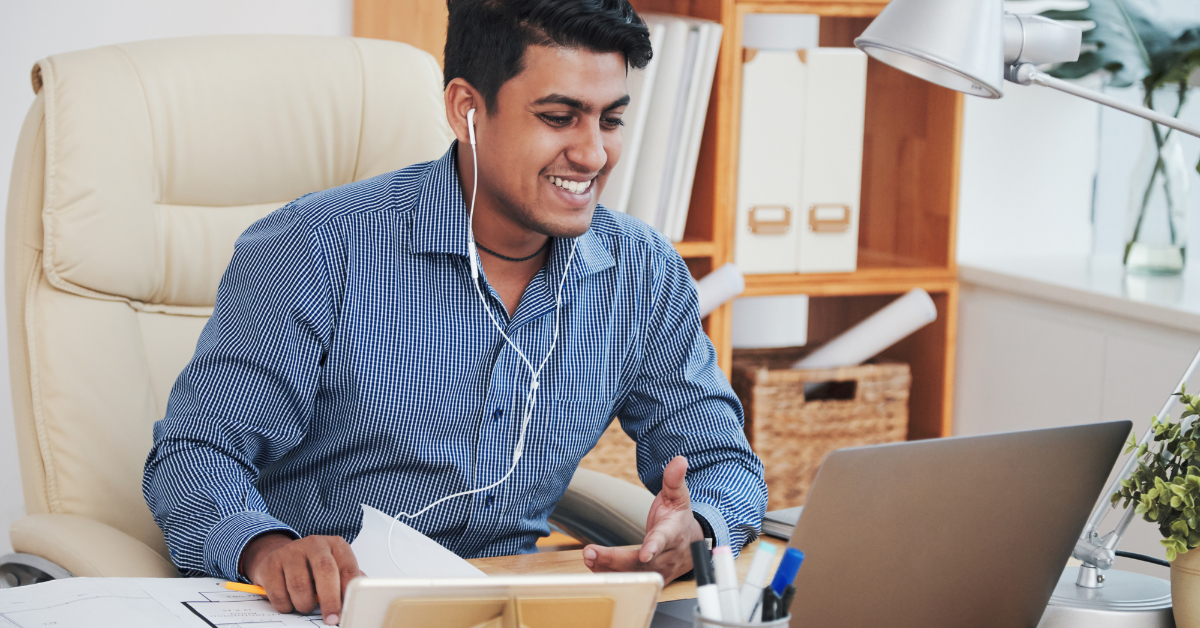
[[560, 99], [575, 103], [620, 102]]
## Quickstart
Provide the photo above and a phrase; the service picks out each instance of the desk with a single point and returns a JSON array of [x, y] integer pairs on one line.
[[571, 561]]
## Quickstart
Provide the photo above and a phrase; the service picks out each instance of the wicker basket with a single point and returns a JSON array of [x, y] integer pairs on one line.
[[795, 418]]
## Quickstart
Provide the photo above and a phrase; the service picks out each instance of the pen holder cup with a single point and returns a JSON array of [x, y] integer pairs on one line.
[[700, 622]]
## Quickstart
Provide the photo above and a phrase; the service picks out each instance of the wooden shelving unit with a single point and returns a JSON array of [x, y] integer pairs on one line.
[[909, 193]]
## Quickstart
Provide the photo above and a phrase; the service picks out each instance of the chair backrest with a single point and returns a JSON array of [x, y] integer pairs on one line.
[[136, 169]]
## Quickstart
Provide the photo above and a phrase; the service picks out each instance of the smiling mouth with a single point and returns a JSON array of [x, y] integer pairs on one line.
[[574, 187]]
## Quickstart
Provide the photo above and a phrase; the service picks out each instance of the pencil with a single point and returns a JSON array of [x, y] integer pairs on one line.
[[245, 588]]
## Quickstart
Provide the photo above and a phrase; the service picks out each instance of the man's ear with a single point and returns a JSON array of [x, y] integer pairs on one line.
[[461, 98]]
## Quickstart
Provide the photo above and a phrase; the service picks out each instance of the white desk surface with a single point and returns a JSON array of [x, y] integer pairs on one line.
[[1094, 283]]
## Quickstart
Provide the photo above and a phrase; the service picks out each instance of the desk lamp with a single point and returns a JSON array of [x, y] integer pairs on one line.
[[971, 46]]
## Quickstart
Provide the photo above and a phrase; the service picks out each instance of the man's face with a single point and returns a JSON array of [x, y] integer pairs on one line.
[[553, 137]]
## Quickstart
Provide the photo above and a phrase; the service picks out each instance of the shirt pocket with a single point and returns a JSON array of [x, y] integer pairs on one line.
[[566, 434]]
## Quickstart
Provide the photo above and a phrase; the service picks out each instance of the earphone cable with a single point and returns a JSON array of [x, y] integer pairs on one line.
[[531, 397]]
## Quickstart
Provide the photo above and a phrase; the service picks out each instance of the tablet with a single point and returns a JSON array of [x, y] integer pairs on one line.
[[618, 600]]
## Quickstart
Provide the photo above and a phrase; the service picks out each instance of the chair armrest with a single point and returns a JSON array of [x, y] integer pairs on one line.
[[88, 548], [601, 509]]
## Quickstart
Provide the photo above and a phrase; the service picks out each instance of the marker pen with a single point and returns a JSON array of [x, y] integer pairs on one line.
[[785, 604], [756, 579], [769, 603], [786, 574], [706, 590], [727, 583]]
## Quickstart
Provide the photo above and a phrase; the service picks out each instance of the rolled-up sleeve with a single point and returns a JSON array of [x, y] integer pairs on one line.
[[682, 404], [245, 399]]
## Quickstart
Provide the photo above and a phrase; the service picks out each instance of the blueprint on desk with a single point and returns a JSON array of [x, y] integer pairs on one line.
[[141, 603]]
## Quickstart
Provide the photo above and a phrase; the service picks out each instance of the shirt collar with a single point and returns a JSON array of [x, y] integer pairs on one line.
[[440, 223]]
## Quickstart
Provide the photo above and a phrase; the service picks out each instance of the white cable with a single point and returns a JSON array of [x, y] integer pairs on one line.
[[531, 398]]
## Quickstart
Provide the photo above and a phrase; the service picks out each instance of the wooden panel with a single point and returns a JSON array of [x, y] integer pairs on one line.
[[910, 159], [863, 282], [910, 167], [690, 248], [421, 23]]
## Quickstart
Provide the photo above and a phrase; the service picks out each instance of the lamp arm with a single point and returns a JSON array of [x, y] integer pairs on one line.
[[1027, 74], [1093, 549]]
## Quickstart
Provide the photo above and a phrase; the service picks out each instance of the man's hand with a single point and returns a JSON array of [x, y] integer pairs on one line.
[[670, 529], [298, 572]]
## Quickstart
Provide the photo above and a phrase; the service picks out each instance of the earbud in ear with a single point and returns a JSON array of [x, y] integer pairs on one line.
[[471, 125]]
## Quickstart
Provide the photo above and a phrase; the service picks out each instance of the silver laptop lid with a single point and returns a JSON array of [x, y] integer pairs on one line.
[[968, 531]]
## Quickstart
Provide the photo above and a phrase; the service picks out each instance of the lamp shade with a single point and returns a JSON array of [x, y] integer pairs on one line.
[[958, 44]]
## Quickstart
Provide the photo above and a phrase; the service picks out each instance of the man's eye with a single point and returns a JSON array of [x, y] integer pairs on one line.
[[556, 120], [612, 123]]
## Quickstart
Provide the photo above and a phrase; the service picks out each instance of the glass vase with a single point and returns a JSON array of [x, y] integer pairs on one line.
[[1156, 220]]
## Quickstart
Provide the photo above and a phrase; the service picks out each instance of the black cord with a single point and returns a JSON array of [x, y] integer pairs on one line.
[[1144, 558]]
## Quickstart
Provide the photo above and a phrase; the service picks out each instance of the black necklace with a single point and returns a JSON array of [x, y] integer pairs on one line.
[[514, 259]]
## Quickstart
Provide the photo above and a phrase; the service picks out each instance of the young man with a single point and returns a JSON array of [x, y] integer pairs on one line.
[[353, 357]]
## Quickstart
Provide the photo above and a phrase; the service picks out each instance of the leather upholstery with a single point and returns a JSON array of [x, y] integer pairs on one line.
[[136, 169]]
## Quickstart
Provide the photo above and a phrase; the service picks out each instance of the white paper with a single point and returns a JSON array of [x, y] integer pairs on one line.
[[881, 330], [416, 555], [719, 286], [187, 597], [91, 602]]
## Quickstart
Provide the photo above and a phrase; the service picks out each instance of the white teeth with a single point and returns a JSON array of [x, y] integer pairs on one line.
[[575, 187]]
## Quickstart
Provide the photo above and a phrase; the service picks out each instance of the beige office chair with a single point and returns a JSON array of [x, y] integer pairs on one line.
[[137, 167]]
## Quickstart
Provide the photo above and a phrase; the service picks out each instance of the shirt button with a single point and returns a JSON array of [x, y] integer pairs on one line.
[[497, 414], [489, 500]]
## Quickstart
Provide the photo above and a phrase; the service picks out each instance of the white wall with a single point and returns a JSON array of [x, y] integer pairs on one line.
[[1028, 163], [33, 29]]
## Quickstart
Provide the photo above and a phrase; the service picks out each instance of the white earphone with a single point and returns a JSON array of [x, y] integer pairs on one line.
[[531, 398]]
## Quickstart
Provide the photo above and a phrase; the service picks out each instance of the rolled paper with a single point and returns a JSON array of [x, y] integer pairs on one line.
[[719, 286], [879, 331]]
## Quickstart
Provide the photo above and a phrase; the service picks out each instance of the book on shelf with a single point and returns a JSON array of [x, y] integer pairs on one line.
[[656, 186], [641, 82]]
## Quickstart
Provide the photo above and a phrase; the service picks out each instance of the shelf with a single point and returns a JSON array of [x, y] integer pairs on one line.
[[877, 274], [862, 282], [695, 248]]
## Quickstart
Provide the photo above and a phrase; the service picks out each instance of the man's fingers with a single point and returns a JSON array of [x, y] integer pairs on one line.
[[603, 559], [346, 561], [674, 485], [299, 581], [655, 541], [328, 580], [272, 580]]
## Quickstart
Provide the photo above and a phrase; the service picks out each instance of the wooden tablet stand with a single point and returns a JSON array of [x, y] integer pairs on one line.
[[500, 612]]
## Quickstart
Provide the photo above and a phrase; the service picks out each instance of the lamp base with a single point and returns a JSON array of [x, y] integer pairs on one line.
[[1127, 600]]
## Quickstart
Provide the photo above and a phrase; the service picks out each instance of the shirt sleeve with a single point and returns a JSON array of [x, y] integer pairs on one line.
[[682, 404], [245, 399]]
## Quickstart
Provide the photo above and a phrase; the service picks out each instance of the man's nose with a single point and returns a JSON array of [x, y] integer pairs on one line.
[[587, 149]]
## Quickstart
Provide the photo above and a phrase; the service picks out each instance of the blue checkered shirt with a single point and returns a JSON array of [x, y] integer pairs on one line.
[[349, 360]]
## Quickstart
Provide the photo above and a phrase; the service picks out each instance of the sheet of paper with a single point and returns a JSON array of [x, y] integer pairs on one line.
[[416, 555], [91, 602], [205, 602]]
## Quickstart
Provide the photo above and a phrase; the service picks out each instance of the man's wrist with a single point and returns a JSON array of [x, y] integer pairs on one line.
[[705, 529], [259, 547]]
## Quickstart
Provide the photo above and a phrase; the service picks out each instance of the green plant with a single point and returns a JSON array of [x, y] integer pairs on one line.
[[1152, 42], [1165, 487]]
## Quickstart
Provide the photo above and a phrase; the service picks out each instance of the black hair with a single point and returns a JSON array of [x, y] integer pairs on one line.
[[486, 39]]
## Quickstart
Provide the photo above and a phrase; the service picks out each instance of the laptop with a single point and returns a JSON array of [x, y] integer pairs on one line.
[[966, 531]]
